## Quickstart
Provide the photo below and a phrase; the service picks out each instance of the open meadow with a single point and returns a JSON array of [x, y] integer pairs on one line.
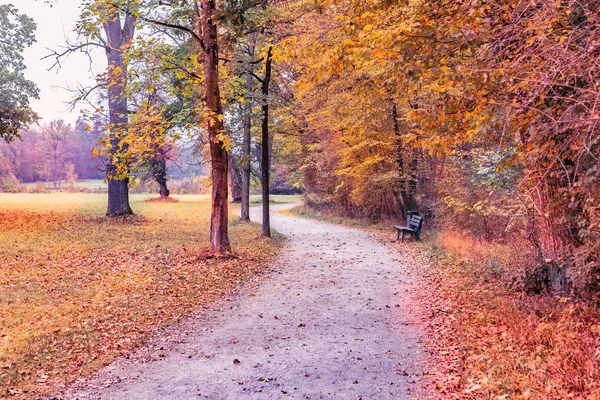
[[78, 289], [81, 184]]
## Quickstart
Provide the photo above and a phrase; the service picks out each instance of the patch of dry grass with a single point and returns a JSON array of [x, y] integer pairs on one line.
[[78, 289]]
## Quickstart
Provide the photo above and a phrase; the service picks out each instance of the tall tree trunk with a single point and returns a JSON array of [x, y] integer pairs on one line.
[[407, 199], [219, 234], [235, 180], [247, 122], [265, 162], [118, 38], [400, 194]]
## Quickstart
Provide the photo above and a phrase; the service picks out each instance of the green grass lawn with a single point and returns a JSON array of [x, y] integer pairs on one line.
[[78, 289], [276, 199], [92, 184]]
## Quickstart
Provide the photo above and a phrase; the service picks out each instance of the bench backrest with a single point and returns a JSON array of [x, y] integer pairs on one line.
[[415, 221]]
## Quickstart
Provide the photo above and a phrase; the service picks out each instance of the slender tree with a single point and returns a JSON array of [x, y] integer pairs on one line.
[[247, 126], [406, 192], [207, 31], [266, 157], [204, 34], [56, 137], [235, 179]]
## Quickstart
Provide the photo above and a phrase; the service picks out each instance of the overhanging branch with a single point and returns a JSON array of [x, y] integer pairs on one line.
[[178, 27]]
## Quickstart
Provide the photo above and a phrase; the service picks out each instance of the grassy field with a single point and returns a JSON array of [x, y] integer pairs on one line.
[[78, 289], [275, 199], [92, 184], [101, 185]]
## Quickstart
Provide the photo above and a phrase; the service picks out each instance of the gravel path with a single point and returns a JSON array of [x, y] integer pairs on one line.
[[331, 322]]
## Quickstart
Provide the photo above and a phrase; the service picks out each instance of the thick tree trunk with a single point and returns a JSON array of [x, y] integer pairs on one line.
[[219, 234], [118, 38], [247, 122], [235, 180], [265, 161], [164, 191], [554, 234]]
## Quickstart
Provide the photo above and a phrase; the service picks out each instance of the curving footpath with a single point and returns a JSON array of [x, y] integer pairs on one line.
[[332, 321]]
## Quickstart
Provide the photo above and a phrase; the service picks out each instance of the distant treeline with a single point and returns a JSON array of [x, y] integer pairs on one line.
[[57, 153], [52, 152]]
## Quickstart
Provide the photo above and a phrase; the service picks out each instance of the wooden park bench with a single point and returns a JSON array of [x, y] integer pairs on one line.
[[413, 222]]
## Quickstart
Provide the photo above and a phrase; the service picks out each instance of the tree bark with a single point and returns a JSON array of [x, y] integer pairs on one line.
[[235, 180], [554, 234], [159, 171], [219, 234], [247, 123], [412, 181], [164, 191], [117, 38], [407, 200], [265, 161]]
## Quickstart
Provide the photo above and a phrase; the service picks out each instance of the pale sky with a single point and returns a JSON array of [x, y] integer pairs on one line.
[[54, 24]]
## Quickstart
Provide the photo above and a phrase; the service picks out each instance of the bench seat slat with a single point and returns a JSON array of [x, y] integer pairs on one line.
[[413, 227]]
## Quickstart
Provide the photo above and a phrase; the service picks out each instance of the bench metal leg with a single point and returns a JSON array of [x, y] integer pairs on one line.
[[403, 236], [398, 235]]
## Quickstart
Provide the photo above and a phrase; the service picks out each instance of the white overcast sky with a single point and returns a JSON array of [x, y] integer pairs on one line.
[[54, 24]]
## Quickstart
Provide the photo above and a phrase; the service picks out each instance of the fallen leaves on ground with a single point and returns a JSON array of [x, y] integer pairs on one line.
[[65, 313], [491, 342]]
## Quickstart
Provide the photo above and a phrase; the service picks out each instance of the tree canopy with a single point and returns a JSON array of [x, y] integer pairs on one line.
[[16, 34]]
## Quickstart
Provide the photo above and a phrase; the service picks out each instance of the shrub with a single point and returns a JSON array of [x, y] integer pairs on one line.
[[189, 185], [11, 185]]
